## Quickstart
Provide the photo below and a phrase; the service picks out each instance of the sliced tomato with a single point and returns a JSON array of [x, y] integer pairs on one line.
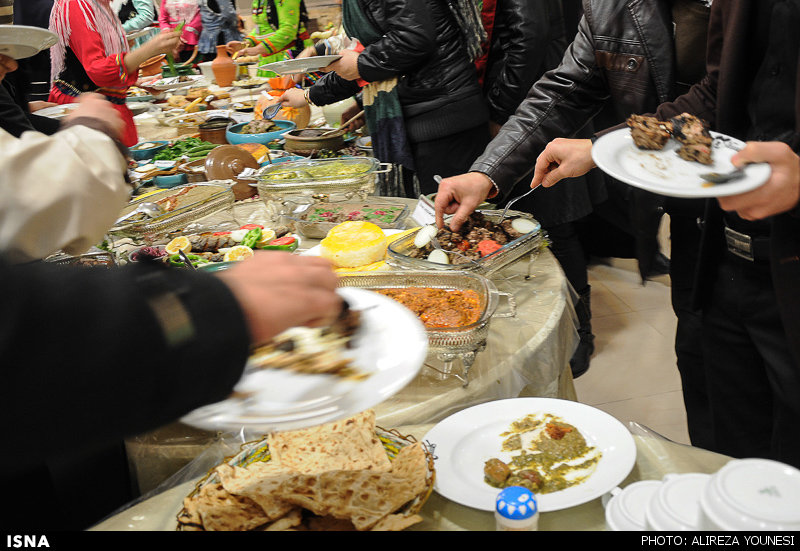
[[251, 227]]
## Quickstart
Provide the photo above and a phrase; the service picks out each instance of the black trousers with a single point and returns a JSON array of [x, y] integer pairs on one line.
[[685, 243], [448, 156], [753, 380]]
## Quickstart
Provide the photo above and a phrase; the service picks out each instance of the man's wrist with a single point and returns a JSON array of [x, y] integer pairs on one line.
[[495, 191]]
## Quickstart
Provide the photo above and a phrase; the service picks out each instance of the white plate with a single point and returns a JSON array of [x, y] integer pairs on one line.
[[300, 65], [57, 111], [21, 41], [464, 441], [173, 83], [665, 173], [391, 346]]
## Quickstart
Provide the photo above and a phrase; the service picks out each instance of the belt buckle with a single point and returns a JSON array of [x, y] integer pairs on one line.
[[739, 244]]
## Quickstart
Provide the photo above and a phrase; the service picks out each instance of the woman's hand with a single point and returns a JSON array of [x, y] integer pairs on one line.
[[346, 66], [166, 42], [293, 97]]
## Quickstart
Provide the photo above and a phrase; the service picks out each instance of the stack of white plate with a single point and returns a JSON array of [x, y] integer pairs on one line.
[[746, 494]]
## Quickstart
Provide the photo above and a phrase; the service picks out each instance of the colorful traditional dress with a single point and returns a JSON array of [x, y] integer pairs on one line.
[[281, 26], [89, 57], [174, 12]]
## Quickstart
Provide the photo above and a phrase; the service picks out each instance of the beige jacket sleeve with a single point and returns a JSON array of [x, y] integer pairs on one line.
[[59, 192]]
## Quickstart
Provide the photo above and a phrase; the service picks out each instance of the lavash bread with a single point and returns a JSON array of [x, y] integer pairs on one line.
[[337, 476], [349, 444], [354, 243]]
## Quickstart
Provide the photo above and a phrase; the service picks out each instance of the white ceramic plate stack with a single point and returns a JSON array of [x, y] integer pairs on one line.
[[752, 495], [625, 510], [675, 505]]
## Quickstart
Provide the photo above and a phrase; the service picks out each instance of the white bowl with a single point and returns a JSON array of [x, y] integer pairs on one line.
[[676, 505], [752, 494], [206, 71], [625, 511]]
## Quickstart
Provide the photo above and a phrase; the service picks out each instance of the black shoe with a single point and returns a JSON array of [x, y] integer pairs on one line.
[[660, 266], [583, 354], [579, 363]]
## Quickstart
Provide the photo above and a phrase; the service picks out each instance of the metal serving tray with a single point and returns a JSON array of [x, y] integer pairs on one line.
[[446, 344], [202, 199], [318, 230], [530, 242]]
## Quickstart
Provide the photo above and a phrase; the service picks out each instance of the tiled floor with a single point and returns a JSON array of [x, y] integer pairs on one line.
[[633, 375]]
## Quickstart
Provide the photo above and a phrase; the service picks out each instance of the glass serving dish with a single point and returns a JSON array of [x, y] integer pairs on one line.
[[312, 180], [183, 204], [397, 253], [446, 344], [309, 219]]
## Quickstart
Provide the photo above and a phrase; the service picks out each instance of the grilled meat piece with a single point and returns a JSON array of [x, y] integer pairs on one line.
[[496, 472], [207, 242], [694, 137], [648, 132]]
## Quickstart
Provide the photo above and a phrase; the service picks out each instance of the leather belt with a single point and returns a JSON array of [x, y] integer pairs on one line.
[[746, 246]]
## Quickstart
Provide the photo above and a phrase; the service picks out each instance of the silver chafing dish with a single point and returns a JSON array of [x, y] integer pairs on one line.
[[397, 254], [445, 344], [183, 204]]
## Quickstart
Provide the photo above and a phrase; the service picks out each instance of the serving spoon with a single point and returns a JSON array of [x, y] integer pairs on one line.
[[147, 208], [341, 128]]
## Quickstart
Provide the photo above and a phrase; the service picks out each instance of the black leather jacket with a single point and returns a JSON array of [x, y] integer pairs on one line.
[[527, 39], [622, 54], [422, 45]]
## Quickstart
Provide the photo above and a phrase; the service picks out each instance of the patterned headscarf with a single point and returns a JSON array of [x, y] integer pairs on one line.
[[99, 18]]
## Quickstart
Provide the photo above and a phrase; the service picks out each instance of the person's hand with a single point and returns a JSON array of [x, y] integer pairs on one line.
[[346, 66], [39, 105], [779, 194], [234, 46], [494, 128], [348, 114], [95, 106], [311, 51], [7, 65], [165, 42], [293, 97], [460, 196], [278, 290], [258, 49], [562, 158]]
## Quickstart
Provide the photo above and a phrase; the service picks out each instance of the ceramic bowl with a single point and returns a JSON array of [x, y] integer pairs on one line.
[[147, 153], [750, 495], [170, 180], [235, 136]]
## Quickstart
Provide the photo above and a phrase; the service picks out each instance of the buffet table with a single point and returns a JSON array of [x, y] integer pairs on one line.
[[525, 355], [655, 458]]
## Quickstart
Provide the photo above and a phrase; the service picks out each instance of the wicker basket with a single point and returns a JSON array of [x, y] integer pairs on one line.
[[258, 451]]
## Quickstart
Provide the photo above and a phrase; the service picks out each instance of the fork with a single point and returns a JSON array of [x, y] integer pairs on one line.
[[514, 200], [723, 177]]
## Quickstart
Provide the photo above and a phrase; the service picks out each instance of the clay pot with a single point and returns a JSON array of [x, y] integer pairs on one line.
[[214, 130], [152, 66], [223, 67]]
